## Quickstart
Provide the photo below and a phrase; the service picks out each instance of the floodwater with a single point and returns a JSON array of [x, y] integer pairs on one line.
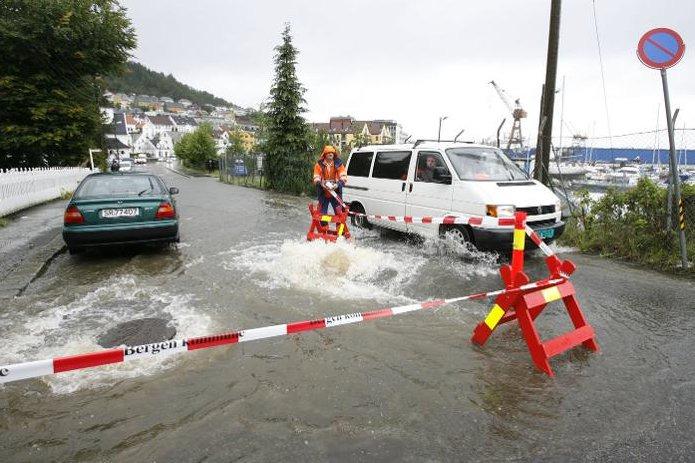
[[407, 388]]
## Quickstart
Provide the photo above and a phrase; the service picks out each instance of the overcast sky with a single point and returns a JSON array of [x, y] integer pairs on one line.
[[415, 61]]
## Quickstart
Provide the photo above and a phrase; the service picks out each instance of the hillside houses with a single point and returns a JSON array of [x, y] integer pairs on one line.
[[152, 126], [345, 132]]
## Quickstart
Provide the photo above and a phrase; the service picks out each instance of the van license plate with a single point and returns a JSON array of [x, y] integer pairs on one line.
[[115, 213], [546, 232]]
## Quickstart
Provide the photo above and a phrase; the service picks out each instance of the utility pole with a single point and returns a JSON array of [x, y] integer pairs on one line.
[[543, 145]]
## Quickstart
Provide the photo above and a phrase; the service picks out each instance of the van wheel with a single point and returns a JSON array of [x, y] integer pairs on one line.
[[359, 221], [459, 234]]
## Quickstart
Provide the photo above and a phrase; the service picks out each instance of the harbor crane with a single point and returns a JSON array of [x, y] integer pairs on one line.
[[515, 139]]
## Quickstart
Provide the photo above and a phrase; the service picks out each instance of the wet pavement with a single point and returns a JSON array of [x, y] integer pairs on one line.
[[408, 388]]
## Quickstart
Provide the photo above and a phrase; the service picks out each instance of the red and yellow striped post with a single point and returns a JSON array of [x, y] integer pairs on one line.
[[513, 276], [518, 244]]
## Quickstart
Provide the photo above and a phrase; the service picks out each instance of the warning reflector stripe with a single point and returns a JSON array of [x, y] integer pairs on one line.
[[494, 317], [94, 359], [519, 240], [551, 294]]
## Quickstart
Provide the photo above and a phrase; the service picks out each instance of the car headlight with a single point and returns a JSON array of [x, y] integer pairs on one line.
[[500, 211]]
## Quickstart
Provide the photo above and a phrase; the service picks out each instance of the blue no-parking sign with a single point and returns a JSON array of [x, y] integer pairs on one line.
[[660, 48]]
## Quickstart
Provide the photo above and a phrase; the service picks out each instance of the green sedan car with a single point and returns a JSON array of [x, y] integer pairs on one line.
[[120, 208]]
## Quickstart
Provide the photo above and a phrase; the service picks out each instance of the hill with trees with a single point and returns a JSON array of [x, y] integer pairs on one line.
[[141, 80]]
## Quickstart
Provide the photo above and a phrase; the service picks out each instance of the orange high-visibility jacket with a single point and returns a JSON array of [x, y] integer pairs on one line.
[[335, 171]]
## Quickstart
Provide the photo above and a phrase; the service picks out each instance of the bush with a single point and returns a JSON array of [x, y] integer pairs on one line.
[[631, 224], [194, 149]]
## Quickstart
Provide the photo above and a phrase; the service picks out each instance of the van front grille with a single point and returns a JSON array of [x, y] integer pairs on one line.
[[537, 210], [541, 223]]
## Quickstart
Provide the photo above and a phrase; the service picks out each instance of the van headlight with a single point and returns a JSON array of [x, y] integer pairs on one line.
[[500, 211]]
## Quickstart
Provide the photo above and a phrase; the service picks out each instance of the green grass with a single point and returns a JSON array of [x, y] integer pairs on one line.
[[4, 222], [252, 182]]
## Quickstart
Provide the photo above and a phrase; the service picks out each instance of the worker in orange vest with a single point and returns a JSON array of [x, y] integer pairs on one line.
[[329, 175]]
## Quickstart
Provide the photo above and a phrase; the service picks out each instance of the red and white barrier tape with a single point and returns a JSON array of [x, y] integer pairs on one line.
[[476, 221], [539, 242], [26, 370]]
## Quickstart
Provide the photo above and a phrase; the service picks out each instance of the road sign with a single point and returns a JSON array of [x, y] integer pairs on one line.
[[660, 48]]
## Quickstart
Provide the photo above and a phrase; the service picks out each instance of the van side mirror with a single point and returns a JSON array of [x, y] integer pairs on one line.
[[441, 175], [173, 190]]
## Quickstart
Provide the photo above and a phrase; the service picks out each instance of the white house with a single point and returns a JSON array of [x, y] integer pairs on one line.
[[144, 145], [164, 144], [157, 124], [184, 124], [117, 149]]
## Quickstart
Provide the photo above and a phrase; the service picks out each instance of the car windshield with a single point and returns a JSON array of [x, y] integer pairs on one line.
[[101, 186], [484, 164]]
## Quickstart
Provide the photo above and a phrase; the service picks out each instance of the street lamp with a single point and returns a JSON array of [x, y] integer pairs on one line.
[[439, 132]]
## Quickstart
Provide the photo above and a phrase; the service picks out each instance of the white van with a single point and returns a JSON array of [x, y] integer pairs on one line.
[[437, 179]]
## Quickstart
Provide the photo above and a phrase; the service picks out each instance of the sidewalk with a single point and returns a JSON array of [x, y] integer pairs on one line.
[[30, 240]]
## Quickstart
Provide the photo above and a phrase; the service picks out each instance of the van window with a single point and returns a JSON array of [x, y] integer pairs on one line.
[[360, 163], [392, 165], [483, 164], [431, 168]]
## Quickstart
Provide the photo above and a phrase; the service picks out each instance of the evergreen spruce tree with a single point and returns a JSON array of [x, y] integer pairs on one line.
[[287, 146]]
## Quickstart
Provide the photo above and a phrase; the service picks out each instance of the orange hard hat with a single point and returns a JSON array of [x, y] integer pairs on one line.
[[328, 149]]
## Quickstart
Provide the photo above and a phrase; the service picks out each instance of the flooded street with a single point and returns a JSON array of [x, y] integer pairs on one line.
[[408, 388]]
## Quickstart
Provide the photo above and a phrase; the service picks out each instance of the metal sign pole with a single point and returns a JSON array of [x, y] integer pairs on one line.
[[675, 180]]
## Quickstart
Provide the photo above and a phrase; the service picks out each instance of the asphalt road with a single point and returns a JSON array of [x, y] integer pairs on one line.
[[410, 388]]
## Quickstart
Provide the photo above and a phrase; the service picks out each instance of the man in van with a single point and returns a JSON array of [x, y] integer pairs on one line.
[[329, 175]]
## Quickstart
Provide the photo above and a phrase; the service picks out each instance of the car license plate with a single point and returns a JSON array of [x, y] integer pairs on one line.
[[546, 233], [124, 212]]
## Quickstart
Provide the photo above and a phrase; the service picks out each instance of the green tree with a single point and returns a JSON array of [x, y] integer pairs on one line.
[[318, 140], [54, 53], [288, 156], [143, 81], [236, 143], [197, 147]]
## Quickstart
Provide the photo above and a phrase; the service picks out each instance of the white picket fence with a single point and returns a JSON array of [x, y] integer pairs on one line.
[[22, 188]]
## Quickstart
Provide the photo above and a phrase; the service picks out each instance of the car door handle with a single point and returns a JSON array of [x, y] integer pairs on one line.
[[410, 190], [403, 187]]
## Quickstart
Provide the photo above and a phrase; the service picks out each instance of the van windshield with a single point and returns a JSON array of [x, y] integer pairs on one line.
[[483, 164]]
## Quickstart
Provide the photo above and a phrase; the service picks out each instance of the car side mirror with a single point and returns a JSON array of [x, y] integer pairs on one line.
[[173, 190]]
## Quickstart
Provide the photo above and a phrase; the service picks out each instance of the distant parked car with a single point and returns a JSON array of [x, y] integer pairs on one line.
[[126, 164], [141, 159], [117, 208]]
